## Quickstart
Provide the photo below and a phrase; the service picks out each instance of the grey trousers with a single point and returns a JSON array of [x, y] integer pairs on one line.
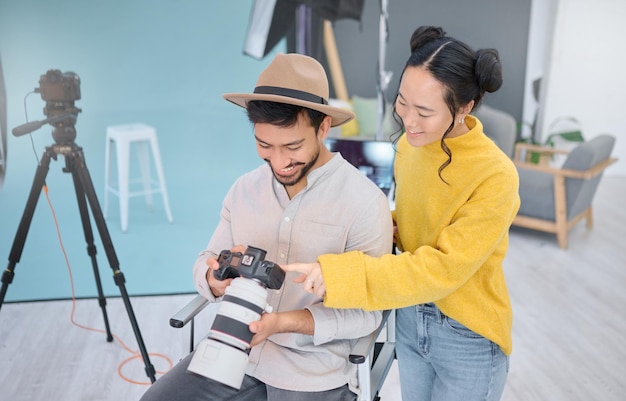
[[180, 385]]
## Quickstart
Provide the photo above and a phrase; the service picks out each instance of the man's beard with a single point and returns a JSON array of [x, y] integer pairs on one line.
[[289, 181]]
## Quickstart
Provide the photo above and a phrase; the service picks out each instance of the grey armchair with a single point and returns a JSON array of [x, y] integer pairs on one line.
[[555, 199], [500, 126]]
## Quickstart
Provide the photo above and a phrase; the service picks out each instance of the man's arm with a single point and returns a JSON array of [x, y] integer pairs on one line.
[[298, 321]]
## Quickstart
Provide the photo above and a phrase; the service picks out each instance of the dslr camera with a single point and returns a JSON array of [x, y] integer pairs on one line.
[[252, 265], [59, 87], [60, 90], [223, 356]]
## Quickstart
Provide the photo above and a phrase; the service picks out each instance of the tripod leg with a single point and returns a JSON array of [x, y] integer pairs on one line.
[[91, 248], [87, 185], [27, 217]]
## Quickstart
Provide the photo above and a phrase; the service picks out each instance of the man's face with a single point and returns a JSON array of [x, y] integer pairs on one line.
[[291, 152]]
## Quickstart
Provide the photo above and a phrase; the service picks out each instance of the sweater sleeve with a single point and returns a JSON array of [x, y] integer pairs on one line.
[[429, 273]]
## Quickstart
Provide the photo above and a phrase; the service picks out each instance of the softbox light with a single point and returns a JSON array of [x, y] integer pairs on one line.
[[273, 20]]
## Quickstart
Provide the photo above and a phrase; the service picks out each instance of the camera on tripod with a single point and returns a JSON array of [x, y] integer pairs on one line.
[[223, 356], [60, 90], [59, 87]]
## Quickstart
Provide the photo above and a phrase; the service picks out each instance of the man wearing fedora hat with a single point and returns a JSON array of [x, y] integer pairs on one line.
[[303, 202]]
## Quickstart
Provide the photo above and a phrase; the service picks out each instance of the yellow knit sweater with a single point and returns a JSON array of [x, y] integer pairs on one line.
[[453, 236]]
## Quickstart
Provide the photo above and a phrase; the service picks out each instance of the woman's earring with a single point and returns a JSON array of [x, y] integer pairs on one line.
[[461, 120]]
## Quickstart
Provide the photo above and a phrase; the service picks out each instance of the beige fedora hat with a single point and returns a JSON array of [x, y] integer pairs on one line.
[[294, 79]]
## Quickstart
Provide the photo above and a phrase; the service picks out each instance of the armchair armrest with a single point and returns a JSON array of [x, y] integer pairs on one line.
[[187, 315], [582, 174], [537, 148], [188, 312], [545, 168], [523, 150], [362, 348]]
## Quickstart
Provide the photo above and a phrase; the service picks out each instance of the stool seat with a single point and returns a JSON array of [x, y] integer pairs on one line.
[[145, 139]]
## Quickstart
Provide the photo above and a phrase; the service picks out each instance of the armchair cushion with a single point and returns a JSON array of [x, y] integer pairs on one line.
[[536, 193]]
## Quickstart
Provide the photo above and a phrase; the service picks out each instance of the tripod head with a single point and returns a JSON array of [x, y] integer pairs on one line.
[[59, 90]]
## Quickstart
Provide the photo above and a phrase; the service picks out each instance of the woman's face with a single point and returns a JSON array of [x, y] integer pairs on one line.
[[422, 108]]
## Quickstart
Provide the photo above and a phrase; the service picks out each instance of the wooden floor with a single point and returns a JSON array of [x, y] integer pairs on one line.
[[569, 325]]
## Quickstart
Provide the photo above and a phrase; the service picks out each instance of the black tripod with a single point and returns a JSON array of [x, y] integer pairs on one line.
[[75, 164]]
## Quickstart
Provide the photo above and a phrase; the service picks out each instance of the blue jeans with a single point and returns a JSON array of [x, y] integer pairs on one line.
[[439, 359]]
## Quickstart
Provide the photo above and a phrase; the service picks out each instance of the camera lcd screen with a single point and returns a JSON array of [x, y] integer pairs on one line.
[[234, 261]]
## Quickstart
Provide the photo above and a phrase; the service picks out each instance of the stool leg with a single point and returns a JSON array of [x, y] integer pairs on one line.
[[159, 167], [107, 184], [123, 171], [143, 151]]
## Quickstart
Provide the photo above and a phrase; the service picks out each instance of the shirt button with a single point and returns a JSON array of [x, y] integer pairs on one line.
[[287, 219], [282, 256]]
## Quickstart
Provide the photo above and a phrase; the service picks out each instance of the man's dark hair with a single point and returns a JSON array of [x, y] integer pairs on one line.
[[281, 114]]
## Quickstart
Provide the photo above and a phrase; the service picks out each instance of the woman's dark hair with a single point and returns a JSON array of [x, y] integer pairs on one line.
[[464, 73], [281, 114]]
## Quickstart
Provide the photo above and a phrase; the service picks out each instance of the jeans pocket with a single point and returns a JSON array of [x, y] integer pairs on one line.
[[459, 329]]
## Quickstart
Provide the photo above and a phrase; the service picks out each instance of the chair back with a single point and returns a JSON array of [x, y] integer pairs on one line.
[[580, 192], [500, 126]]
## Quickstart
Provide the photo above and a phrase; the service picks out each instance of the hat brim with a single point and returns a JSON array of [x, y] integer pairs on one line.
[[338, 115]]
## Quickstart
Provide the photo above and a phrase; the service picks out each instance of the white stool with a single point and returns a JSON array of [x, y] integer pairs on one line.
[[146, 140]]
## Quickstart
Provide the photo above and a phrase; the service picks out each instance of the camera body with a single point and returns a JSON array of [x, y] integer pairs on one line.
[[223, 356], [56, 86], [252, 265]]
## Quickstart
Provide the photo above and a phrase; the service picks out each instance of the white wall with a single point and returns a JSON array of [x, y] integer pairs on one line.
[[540, 27], [585, 75]]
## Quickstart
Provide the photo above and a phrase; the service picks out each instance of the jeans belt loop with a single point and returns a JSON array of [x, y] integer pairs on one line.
[[440, 315]]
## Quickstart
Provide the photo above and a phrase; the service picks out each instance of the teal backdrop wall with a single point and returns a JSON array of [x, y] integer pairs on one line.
[[159, 62]]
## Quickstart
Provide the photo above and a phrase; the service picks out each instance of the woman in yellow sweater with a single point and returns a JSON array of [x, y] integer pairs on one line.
[[456, 196]]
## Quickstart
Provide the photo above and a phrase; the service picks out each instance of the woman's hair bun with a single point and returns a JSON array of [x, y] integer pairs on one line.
[[488, 70], [425, 34]]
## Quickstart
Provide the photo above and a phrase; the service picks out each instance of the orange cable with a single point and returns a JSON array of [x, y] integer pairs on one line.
[[136, 354]]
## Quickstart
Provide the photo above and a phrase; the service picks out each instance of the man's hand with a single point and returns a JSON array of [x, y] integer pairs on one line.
[[263, 328], [218, 287], [298, 321], [311, 277]]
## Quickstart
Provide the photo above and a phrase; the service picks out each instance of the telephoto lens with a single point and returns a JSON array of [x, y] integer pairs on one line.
[[223, 356]]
